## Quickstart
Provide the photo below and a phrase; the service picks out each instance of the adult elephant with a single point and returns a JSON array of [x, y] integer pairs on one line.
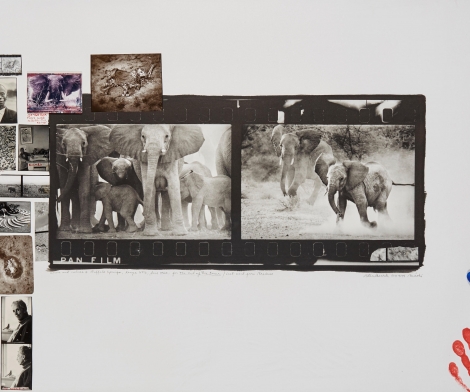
[[223, 154], [367, 185], [53, 87], [299, 152], [159, 149], [79, 147]]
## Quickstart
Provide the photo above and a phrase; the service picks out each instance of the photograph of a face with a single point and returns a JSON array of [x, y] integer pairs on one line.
[[54, 93], [17, 370], [126, 83], [7, 148], [17, 320], [328, 182], [8, 101], [178, 176]]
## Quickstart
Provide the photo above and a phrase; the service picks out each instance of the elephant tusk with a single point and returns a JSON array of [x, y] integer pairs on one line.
[[144, 150], [81, 159], [280, 161], [163, 151], [66, 159], [292, 162]]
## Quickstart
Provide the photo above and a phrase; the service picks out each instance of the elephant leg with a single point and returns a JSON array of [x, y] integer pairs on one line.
[[316, 189], [300, 174], [175, 201], [220, 216], [381, 207], [361, 204], [75, 210], [228, 221], [94, 180], [196, 207], [84, 174], [108, 212], [131, 226], [184, 209], [202, 218], [158, 207], [121, 223], [214, 222], [100, 227], [65, 214], [166, 212], [290, 176]]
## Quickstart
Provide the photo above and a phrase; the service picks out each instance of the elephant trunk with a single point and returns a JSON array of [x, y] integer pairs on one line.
[[71, 176], [283, 178], [331, 198], [149, 187]]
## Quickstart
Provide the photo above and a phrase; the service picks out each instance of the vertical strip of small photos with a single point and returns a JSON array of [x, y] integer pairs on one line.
[[17, 341]]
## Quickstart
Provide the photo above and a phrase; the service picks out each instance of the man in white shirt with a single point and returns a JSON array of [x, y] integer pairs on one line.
[[7, 116]]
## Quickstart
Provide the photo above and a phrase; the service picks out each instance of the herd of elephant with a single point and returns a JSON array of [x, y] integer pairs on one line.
[[304, 155], [141, 164]]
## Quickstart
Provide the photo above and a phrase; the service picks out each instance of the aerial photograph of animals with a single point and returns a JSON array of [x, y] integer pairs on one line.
[[126, 83], [328, 182], [54, 93], [173, 172]]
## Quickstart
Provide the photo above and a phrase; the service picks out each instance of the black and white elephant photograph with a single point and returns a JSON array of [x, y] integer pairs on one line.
[[328, 182], [54, 93], [131, 181]]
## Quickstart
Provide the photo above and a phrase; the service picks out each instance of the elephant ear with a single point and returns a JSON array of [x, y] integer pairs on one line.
[[276, 136], [309, 139], [39, 84], [185, 140], [357, 172], [322, 164], [71, 83], [126, 140], [98, 143], [101, 190]]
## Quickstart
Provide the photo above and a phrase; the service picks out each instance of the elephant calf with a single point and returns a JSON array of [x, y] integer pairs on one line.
[[213, 192], [121, 198], [366, 185]]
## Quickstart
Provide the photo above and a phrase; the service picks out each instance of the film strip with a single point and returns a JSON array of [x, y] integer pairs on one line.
[[275, 182]]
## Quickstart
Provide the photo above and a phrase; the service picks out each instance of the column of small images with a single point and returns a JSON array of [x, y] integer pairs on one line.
[[16, 354]]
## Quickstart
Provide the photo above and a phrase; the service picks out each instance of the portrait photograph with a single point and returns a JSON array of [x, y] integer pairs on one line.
[[15, 217], [126, 83], [17, 315], [17, 373], [8, 101], [198, 155], [299, 182], [54, 93], [7, 148], [33, 148]]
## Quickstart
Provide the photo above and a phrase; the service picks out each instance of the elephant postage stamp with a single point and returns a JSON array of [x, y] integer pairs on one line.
[[126, 82], [54, 93], [280, 182]]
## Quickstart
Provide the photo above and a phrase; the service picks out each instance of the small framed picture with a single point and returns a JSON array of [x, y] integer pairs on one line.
[[26, 135]]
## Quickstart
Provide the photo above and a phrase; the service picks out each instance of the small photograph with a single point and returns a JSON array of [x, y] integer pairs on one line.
[[10, 186], [17, 320], [328, 182], [199, 154], [33, 148], [41, 221], [126, 83], [54, 93], [16, 264], [8, 101], [17, 370], [36, 186], [7, 148], [10, 65], [15, 217]]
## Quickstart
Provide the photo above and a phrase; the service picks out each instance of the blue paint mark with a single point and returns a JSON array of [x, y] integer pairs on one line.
[[468, 276]]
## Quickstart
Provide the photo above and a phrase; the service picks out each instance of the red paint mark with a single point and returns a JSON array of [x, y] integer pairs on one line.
[[466, 335], [459, 349], [454, 371]]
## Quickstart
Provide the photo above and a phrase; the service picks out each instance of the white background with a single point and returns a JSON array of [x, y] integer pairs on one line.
[[289, 331]]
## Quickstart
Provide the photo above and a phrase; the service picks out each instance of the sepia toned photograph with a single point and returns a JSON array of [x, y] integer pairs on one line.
[[328, 182], [10, 186], [10, 65], [16, 264], [17, 320], [15, 217], [8, 100], [33, 148], [54, 93], [7, 148], [36, 186], [177, 176], [17, 370], [126, 83], [41, 228]]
